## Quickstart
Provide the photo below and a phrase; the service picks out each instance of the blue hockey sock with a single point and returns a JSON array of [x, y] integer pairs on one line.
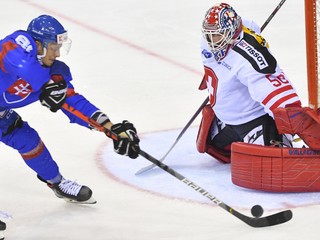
[[35, 154], [40, 160]]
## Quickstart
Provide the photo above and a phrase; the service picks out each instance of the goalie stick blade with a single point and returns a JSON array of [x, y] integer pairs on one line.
[[145, 169], [271, 220]]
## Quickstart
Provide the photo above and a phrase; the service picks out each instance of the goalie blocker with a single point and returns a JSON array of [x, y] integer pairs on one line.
[[270, 168]]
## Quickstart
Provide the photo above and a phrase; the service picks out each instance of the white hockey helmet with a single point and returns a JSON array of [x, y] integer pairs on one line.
[[220, 27]]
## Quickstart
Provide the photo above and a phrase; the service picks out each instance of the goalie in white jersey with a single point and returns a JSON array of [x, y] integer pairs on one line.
[[245, 84]]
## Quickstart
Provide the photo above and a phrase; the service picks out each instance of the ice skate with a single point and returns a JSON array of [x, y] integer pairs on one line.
[[3, 227], [71, 191]]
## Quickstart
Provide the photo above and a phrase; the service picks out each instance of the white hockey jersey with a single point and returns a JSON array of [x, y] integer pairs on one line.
[[248, 82]]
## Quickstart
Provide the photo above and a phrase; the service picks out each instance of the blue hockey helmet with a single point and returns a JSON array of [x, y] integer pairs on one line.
[[47, 29]]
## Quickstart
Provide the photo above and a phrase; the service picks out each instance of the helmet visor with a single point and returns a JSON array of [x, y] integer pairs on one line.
[[66, 46], [62, 44]]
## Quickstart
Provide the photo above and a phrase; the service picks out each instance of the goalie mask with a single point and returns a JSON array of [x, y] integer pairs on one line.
[[46, 29], [221, 26]]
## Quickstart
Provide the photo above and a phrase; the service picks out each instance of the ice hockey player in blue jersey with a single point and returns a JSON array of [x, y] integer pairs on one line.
[[30, 72]]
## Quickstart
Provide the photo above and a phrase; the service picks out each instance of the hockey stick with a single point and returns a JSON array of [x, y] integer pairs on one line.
[[272, 15], [149, 167], [271, 220]]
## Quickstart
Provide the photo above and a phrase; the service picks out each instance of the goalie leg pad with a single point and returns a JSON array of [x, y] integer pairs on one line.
[[208, 116], [222, 156], [203, 146], [275, 169]]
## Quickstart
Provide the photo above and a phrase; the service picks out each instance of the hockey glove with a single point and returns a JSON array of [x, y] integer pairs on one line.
[[54, 93], [128, 145], [302, 121]]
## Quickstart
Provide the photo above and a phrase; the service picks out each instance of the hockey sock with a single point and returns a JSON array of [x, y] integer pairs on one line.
[[41, 162], [33, 151]]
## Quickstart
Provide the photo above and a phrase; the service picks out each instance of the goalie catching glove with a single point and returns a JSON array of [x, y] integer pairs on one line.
[[302, 121], [128, 140], [54, 93]]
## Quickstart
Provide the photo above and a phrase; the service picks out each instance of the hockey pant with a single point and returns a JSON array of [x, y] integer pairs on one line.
[[19, 135], [215, 137]]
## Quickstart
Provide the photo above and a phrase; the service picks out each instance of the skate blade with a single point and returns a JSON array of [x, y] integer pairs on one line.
[[89, 201]]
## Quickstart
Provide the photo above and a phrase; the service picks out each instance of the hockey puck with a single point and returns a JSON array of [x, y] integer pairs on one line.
[[257, 211]]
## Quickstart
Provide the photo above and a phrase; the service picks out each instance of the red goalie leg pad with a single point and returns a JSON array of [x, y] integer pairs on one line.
[[204, 129], [223, 157], [302, 121], [275, 169]]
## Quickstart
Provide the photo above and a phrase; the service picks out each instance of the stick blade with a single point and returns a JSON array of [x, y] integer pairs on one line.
[[271, 220], [145, 169]]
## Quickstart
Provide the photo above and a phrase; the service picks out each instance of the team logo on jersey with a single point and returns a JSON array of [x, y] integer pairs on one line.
[[18, 91], [254, 54], [206, 53]]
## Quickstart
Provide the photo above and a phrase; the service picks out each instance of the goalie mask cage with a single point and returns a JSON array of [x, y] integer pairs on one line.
[[312, 20]]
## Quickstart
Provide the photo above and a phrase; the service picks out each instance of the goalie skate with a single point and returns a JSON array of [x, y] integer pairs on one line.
[[72, 192]]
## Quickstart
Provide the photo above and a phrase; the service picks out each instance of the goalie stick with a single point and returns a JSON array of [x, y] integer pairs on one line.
[[271, 220], [272, 15], [149, 167]]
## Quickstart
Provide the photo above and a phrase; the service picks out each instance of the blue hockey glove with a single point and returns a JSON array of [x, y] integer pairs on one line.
[[128, 145]]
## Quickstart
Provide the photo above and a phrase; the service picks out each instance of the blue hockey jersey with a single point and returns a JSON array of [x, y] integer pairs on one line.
[[22, 76]]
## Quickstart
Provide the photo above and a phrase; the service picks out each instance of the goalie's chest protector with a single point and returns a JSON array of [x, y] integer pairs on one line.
[[237, 86]]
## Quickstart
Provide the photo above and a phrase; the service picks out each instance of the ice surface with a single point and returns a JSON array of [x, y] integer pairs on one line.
[[139, 60]]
